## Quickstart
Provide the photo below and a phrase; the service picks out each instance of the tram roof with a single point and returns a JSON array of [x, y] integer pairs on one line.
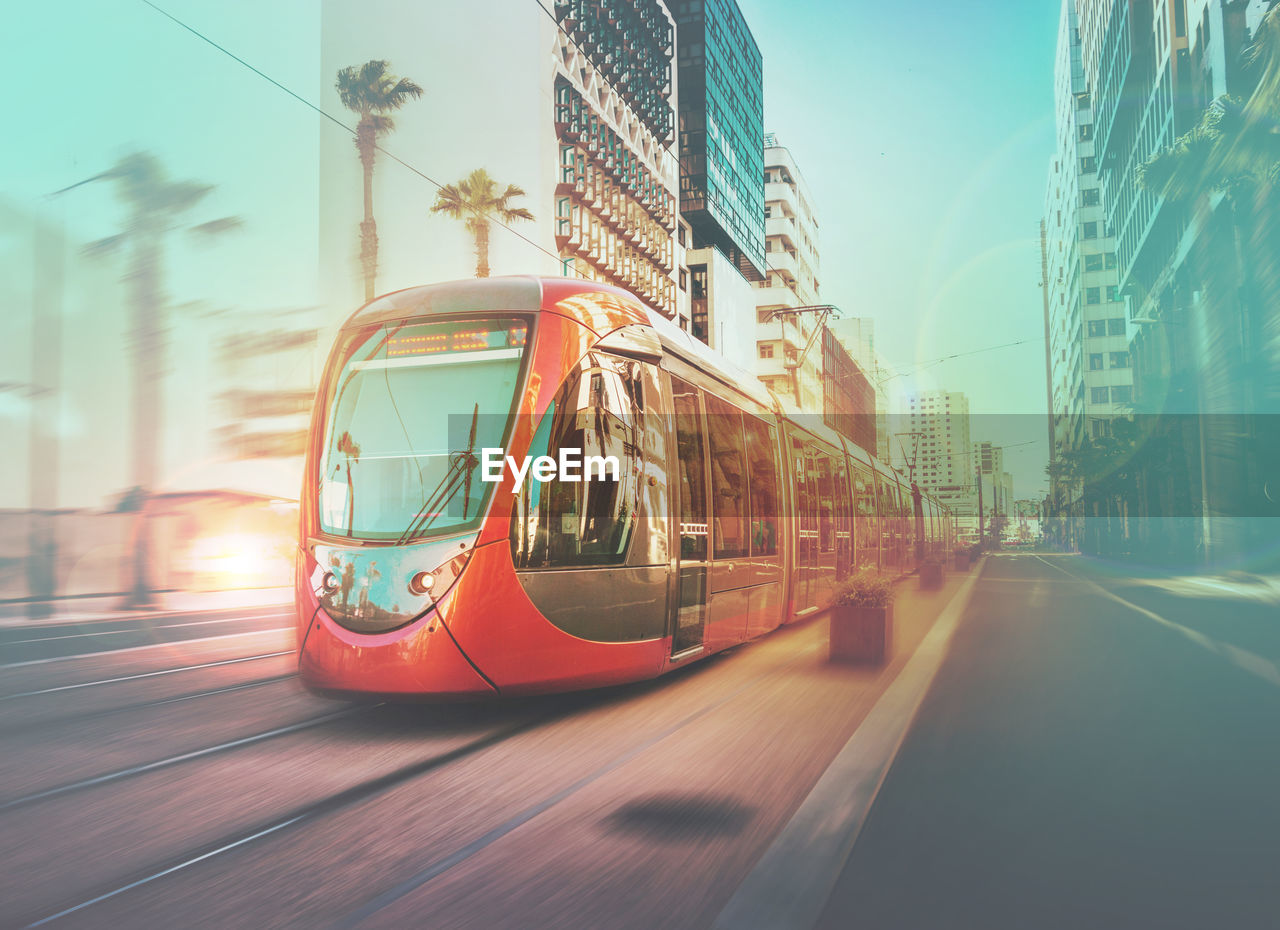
[[529, 293]]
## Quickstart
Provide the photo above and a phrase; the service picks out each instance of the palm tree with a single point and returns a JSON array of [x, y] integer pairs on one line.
[[156, 205], [476, 201], [371, 92]]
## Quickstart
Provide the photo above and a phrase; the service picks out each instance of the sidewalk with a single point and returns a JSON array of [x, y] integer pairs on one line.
[[108, 607], [792, 882]]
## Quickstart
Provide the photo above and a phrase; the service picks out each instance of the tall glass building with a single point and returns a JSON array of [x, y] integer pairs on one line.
[[721, 117]]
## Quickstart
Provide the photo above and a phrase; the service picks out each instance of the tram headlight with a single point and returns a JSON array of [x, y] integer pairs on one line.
[[435, 584]]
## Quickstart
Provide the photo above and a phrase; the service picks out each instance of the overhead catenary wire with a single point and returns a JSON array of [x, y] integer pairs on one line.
[[337, 122], [391, 155]]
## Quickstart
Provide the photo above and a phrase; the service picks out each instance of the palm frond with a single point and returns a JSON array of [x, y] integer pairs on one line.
[[223, 224], [102, 247]]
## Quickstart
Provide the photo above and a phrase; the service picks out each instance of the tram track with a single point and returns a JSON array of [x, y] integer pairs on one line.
[[140, 675], [144, 768], [75, 716], [135, 627], [165, 644], [304, 813], [313, 811]]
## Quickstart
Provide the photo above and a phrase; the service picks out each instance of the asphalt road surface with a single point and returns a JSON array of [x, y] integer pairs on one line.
[[172, 772], [1098, 750]]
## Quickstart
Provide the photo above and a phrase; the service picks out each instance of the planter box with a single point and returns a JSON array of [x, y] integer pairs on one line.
[[962, 561], [861, 634], [931, 575]]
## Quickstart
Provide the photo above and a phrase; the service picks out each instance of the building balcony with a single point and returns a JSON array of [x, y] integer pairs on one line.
[[777, 190], [768, 298], [784, 262]]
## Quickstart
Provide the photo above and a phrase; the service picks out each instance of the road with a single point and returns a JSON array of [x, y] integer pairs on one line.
[[1098, 750], [172, 772]]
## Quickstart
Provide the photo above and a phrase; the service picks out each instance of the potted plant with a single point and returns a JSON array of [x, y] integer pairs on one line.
[[862, 618]]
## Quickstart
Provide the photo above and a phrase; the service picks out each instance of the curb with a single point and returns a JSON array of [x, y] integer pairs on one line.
[[789, 887]]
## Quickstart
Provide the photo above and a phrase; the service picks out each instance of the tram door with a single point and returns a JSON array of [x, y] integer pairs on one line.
[[804, 591], [691, 503]]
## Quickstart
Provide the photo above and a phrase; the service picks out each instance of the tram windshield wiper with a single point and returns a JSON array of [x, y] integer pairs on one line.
[[462, 466]]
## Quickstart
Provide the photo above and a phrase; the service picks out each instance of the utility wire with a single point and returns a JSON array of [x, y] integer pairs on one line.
[[337, 122], [946, 358]]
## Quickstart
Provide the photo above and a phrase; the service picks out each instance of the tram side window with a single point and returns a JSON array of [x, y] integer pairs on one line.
[[597, 412], [761, 442], [826, 501], [728, 479], [865, 504], [690, 443]]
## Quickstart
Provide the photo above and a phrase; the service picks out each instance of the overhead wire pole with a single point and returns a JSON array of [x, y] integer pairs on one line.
[[825, 311]]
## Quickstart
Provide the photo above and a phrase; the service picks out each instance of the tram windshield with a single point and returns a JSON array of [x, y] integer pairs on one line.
[[411, 402]]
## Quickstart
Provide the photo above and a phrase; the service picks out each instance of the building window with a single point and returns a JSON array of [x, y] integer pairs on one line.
[[1097, 327], [1095, 361], [1093, 262], [1092, 295], [1086, 132], [1098, 395], [1115, 326], [680, 234], [1082, 101], [766, 350], [1110, 259], [1122, 394], [1090, 197], [1119, 360], [1091, 230], [1113, 293], [684, 279], [1088, 165]]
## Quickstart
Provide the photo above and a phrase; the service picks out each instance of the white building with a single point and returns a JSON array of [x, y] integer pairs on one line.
[[997, 484], [549, 106], [1090, 375], [936, 440], [791, 280]]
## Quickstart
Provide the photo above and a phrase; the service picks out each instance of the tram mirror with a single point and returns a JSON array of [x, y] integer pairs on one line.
[[637, 342]]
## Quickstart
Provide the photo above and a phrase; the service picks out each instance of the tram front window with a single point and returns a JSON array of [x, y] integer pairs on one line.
[[410, 402]]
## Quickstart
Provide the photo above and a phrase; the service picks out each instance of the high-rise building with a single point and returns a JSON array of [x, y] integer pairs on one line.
[[1198, 276], [936, 441], [573, 102], [721, 125], [615, 218], [789, 359], [1090, 376], [997, 484]]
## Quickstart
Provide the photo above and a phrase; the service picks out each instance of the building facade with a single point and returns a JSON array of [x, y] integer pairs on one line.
[[721, 122], [848, 397], [614, 125], [1089, 368], [858, 336], [572, 102], [936, 440], [1196, 261], [789, 358]]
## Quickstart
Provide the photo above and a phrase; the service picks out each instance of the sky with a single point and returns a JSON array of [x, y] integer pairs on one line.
[[924, 137]]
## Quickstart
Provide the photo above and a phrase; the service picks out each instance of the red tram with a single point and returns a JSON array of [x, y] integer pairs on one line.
[[725, 519]]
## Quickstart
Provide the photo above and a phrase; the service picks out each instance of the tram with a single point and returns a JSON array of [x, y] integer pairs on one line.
[[422, 574]]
